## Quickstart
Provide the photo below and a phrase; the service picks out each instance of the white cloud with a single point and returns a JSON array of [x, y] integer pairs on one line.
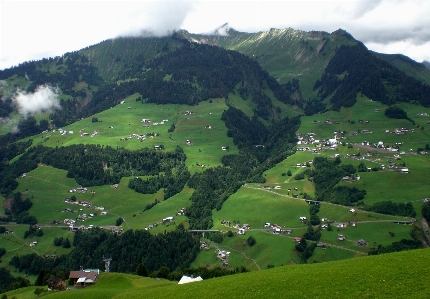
[[45, 98], [35, 29]]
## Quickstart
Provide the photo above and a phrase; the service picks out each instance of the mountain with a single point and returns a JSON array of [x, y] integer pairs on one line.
[[276, 147], [289, 54], [426, 63], [285, 53], [409, 66]]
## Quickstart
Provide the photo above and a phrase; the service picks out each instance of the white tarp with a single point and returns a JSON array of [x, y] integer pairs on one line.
[[187, 279]]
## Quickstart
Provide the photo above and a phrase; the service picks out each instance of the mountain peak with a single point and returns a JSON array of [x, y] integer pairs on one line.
[[223, 30]]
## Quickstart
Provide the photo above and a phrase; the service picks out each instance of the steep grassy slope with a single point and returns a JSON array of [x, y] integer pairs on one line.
[[396, 275]]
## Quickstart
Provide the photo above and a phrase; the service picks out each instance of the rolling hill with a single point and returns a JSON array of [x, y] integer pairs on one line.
[[367, 277]]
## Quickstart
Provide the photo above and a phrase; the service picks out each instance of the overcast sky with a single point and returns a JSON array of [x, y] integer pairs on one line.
[[31, 30]]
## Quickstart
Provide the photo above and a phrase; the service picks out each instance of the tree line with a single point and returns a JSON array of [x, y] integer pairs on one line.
[[94, 165], [175, 250]]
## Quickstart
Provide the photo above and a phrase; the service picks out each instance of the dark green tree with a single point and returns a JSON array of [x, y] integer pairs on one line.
[[141, 270], [66, 243], [119, 221], [251, 241]]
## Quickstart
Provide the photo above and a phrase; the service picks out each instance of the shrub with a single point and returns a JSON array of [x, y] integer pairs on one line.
[[251, 241]]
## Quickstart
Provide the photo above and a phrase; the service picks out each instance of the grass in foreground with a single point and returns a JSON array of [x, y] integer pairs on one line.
[[367, 277]]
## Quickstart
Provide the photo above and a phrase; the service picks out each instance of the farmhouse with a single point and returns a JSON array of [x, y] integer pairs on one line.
[[83, 277], [361, 242], [277, 230], [345, 179], [222, 254], [168, 219]]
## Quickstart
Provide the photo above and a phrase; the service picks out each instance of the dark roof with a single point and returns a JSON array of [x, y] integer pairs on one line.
[[88, 274]]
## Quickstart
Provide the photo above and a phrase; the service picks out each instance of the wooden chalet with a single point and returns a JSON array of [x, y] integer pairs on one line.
[[83, 277]]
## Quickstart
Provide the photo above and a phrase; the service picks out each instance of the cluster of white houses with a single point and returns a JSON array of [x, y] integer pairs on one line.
[[79, 190], [163, 221], [95, 133], [148, 121], [78, 202], [276, 229]]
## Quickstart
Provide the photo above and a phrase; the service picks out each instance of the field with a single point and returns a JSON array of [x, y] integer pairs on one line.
[[367, 277], [203, 127]]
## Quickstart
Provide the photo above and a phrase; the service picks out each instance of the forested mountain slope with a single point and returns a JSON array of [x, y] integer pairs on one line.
[[412, 68]]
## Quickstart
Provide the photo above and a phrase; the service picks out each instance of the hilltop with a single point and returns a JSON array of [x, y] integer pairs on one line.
[[395, 275]]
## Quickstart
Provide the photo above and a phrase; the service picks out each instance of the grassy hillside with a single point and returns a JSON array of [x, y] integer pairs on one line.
[[252, 204], [396, 275]]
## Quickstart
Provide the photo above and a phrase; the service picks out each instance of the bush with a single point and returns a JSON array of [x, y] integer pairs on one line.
[[66, 243], [396, 112], [119, 221], [141, 270], [251, 241], [58, 241]]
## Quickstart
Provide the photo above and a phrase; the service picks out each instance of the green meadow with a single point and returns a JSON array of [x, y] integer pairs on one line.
[[365, 277], [257, 206], [203, 127], [279, 201], [364, 110]]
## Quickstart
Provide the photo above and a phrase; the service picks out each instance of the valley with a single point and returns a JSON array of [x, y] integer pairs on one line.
[[216, 159]]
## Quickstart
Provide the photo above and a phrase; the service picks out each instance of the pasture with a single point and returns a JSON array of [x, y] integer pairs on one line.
[[357, 278], [202, 125]]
